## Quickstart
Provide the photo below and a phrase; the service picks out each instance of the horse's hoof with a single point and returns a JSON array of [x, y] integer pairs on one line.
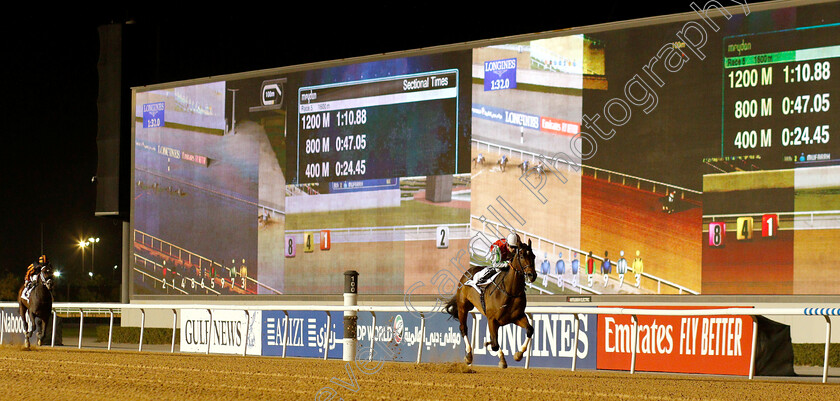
[[517, 356], [468, 359], [503, 364]]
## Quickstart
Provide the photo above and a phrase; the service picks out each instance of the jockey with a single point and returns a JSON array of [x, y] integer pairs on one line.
[[502, 250], [33, 271], [501, 253]]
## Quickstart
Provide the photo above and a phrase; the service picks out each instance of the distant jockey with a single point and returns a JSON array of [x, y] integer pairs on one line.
[[621, 266], [638, 268]]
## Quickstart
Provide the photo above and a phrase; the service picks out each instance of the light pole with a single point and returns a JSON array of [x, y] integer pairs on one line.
[[82, 244], [93, 242], [233, 112]]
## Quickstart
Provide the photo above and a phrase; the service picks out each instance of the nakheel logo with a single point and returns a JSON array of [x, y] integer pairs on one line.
[[399, 327]]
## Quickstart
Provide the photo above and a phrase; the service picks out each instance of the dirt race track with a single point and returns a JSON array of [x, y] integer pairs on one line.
[[72, 374]]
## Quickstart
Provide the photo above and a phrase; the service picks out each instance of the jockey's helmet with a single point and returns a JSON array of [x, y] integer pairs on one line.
[[43, 260], [513, 239]]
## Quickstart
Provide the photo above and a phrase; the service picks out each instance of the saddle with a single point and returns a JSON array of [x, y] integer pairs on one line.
[[482, 279], [27, 290]]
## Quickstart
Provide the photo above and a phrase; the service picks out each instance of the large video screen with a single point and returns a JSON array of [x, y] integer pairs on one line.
[[687, 155]]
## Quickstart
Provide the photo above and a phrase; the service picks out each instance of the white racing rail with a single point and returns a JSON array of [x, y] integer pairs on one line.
[[608, 175], [826, 313], [540, 240]]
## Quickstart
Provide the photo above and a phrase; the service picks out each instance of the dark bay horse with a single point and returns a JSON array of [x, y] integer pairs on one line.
[[38, 309], [504, 300]]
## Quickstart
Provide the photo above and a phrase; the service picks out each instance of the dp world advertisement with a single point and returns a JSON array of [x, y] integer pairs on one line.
[[692, 155]]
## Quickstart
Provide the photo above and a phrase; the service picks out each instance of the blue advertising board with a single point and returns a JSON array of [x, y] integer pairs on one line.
[[551, 345], [504, 116], [153, 115], [305, 332], [397, 338], [500, 74]]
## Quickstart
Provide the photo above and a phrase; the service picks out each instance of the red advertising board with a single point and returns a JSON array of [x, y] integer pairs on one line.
[[677, 344]]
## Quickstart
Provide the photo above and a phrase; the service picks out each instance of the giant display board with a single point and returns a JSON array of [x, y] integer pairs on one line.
[[691, 154]]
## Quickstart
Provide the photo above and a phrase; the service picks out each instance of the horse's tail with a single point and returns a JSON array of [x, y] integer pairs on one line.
[[452, 307]]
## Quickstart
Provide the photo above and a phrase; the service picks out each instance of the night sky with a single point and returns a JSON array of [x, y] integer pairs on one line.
[[50, 85]]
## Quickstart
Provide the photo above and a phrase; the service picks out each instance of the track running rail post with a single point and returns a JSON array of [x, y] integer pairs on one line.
[[635, 340], [827, 342], [174, 325], [210, 331], [327, 335], [752, 350], [110, 328], [52, 337], [285, 332], [81, 325], [247, 332], [142, 326], [422, 336], [372, 334], [574, 349]]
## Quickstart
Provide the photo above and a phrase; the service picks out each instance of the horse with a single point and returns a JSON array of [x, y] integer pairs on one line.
[[38, 309], [503, 301], [503, 163], [479, 160]]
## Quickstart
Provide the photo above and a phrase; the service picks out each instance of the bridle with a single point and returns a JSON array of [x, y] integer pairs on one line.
[[46, 278], [517, 268]]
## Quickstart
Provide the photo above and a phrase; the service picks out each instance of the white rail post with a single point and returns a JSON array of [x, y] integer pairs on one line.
[[174, 326], [422, 336], [827, 342], [327, 334], [635, 339], [81, 325], [52, 337], [372, 334], [210, 331], [285, 331], [247, 332], [752, 350], [575, 347], [142, 326], [110, 328]]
